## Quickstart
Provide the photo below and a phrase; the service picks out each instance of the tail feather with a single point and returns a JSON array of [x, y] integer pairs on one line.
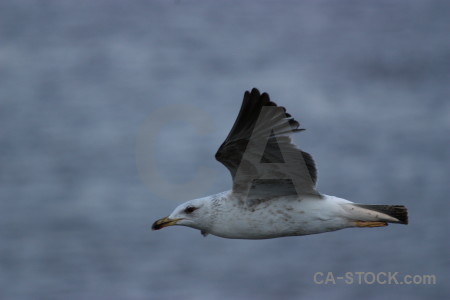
[[398, 212]]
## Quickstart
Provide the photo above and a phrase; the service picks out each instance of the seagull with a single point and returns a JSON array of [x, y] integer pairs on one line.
[[273, 193]]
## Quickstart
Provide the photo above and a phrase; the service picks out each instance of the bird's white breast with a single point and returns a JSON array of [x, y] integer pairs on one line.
[[284, 216]]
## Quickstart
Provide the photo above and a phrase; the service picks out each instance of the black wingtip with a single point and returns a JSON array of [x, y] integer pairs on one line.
[[255, 91], [399, 212]]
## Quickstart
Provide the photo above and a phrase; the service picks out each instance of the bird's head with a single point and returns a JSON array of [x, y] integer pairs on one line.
[[194, 213]]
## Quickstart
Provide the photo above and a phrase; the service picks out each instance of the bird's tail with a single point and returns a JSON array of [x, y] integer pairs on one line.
[[377, 215]]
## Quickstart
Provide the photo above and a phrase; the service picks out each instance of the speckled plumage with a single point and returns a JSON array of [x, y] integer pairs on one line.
[[227, 216]]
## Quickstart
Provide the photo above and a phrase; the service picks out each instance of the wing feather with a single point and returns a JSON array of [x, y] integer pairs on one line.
[[231, 152]]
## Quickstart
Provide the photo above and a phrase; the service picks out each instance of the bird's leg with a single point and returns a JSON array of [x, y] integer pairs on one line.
[[370, 224]]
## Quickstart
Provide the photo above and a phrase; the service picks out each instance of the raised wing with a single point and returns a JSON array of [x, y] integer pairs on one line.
[[270, 127]]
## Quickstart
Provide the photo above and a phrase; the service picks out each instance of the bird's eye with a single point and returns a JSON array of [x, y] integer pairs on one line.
[[189, 209]]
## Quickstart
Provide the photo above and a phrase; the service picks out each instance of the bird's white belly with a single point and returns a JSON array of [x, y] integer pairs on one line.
[[277, 218]]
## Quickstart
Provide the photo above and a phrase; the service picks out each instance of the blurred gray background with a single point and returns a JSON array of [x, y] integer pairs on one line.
[[369, 80]]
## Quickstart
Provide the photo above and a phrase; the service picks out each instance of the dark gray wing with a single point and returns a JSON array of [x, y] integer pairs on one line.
[[252, 124]]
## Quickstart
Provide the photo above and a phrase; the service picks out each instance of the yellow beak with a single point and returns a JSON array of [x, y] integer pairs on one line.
[[164, 222]]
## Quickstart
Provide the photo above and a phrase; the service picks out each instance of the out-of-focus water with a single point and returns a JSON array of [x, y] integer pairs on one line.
[[78, 79]]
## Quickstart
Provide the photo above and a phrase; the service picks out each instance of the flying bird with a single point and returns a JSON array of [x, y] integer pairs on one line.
[[273, 193]]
